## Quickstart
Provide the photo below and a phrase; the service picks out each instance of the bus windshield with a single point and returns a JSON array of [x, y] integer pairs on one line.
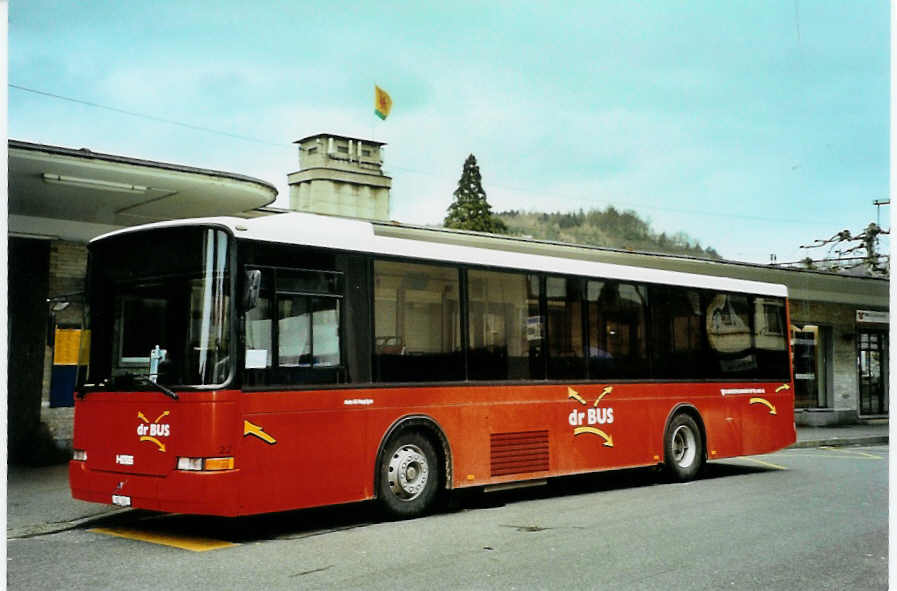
[[159, 308]]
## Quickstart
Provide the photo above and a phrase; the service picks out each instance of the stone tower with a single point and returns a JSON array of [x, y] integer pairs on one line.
[[340, 175]]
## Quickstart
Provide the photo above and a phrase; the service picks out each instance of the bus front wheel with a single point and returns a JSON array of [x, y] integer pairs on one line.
[[409, 475], [683, 448]]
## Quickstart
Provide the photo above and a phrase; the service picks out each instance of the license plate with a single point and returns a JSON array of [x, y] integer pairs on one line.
[[121, 500]]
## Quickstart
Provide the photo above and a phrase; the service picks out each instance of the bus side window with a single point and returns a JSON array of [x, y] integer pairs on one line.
[[728, 321], [770, 344], [417, 323], [566, 353], [617, 330], [677, 333], [505, 326], [258, 335], [303, 345]]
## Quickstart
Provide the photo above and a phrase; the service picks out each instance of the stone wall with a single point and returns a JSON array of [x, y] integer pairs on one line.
[[68, 268]]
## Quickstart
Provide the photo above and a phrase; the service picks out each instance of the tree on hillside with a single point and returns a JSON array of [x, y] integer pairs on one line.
[[470, 210]]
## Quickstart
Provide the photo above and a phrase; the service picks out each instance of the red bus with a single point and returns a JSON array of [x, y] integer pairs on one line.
[[241, 366]]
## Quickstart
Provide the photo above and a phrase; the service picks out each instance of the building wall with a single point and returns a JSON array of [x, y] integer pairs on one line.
[[843, 403], [67, 270], [340, 198]]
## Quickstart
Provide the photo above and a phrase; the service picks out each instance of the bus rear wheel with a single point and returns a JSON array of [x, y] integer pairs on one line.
[[683, 448], [409, 475]]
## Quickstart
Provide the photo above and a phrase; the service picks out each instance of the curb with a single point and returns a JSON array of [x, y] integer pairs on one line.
[[840, 441]]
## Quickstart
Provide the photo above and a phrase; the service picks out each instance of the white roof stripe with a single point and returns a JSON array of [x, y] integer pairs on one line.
[[358, 235]]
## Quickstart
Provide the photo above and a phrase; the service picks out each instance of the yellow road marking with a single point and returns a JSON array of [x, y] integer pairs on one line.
[[850, 452], [808, 455], [762, 463], [194, 544]]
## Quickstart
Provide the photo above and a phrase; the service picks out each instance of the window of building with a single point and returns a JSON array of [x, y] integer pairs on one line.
[[872, 359], [417, 323], [505, 326], [566, 350], [811, 347], [617, 337]]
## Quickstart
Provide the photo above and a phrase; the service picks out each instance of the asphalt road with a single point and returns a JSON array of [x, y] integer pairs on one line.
[[799, 519]]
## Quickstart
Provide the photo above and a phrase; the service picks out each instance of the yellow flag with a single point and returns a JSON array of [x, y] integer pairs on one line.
[[382, 103]]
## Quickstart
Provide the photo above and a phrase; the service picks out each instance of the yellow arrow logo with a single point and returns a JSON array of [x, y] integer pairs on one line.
[[783, 387], [608, 440], [154, 440], [255, 430], [765, 402], [571, 393], [607, 390], [141, 417], [159, 418]]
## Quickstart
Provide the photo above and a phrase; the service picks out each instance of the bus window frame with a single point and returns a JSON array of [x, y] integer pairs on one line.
[[649, 376], [340, 371]]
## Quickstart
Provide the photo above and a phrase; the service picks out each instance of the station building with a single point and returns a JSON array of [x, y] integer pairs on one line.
[[60, 198]]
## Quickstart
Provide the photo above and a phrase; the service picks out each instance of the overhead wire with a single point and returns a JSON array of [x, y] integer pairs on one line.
[[556, 194]]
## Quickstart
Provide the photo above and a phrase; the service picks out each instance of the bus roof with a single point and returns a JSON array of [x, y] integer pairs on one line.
[[356, 235]]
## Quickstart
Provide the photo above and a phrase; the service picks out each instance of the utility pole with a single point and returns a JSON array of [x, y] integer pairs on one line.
[[878, 203]]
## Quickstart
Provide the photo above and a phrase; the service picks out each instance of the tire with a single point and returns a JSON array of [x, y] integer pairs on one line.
[[683, 448], [410, 476]]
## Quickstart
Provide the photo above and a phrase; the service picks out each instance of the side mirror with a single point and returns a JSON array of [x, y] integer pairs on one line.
[[251, 288]]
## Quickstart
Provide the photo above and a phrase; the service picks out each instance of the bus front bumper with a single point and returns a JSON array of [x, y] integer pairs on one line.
[[202, 493]]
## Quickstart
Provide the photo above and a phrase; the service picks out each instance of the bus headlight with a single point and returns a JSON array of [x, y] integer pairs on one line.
[[79, 455], [205, 464]]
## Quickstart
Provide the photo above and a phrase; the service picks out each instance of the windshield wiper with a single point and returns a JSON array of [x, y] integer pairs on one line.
[[132, 378], [148, 382], [145, 380]]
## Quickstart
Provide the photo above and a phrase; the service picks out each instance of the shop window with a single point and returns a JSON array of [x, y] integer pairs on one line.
[[811, 345]]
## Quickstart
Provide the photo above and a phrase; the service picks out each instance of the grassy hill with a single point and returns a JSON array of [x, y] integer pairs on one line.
[[609, 227]]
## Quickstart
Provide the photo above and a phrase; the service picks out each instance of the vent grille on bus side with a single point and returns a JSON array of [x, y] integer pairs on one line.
[[517, 453]]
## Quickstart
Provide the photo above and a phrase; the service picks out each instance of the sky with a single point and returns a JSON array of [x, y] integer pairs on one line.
[[755, 127]]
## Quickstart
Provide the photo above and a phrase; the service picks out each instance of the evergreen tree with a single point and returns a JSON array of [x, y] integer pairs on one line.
[[470, 210]]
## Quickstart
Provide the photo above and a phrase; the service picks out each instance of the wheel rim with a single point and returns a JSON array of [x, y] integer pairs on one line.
[[684, 446], [408, 472]]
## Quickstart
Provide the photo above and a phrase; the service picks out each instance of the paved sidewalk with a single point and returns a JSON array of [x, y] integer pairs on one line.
[[38, 500], [871, 433]]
